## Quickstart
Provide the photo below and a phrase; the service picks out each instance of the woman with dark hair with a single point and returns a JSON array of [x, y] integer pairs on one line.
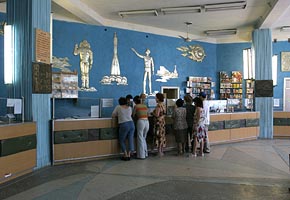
[[126, 127], [180, 126], [199, 130], [190, 110], [140, 111], [159, 123]]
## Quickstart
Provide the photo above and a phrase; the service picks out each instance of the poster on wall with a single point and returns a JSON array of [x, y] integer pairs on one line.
[[41, 78], [285, 61]]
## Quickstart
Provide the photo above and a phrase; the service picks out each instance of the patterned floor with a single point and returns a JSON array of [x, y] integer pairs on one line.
[[246, 170]]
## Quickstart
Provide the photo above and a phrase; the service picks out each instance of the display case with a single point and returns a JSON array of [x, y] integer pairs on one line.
[[195, 85], [64, 84], [249, 98], [231, 86]]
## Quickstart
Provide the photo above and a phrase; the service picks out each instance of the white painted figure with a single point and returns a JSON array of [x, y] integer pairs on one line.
[[86, 61], [148, 68]]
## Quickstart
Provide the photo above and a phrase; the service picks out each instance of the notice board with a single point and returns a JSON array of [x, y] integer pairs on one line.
[[41, 78]]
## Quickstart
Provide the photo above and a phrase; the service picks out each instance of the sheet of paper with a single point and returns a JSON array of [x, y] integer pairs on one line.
[[276, 102], [94, 111], [17, 106], [10, 103]]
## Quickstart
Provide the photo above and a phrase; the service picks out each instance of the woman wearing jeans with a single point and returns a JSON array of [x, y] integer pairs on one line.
[[140, 111], [126, 127]]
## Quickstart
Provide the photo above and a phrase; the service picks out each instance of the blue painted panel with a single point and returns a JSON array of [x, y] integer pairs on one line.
[[163, 50]]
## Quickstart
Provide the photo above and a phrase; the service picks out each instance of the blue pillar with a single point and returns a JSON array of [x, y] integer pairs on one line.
[[26, 16], [262, 42]]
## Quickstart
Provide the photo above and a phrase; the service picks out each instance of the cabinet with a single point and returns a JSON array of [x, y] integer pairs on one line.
[[231, 87], [195, 85], [64, 84], [249, 98]]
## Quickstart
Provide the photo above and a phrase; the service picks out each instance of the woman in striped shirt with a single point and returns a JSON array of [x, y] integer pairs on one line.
[[140, 111]]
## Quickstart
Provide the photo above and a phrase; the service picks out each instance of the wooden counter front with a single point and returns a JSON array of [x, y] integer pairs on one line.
[[20, 163], [226, 134], [281, 124], [103, 147], [82, 148]]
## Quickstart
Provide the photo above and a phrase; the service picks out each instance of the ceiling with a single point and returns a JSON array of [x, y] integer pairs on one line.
[[271, 14]]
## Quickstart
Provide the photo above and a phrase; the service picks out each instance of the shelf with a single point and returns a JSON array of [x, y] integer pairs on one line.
[[231, 87], [64, 85], [195, 85]]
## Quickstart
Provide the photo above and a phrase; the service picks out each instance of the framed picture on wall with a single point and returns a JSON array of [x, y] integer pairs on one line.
[[285, 61]]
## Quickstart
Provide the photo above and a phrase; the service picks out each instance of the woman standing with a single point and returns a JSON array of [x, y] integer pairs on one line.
[[126, 127], [180, 126], [159, 123], [199, 126], [140, 111], [190, 110]]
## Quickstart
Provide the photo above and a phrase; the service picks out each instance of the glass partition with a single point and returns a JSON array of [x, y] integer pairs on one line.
[[82, 108]]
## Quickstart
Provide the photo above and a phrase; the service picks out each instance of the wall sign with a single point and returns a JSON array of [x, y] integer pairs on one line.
[[285, 61], [41, 78], [42, 46]]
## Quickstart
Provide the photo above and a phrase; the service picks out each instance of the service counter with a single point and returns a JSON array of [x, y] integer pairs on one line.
[[95, 138], [233, 127], [281, 124], [17, 150]]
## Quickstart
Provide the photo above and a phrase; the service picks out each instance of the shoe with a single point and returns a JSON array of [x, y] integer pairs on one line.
[[124, 158], [193, 155], [206, 151], [128, 158], [202, 155]]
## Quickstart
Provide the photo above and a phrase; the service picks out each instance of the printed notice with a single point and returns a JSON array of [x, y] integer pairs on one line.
[[42, 46], [106, 103]]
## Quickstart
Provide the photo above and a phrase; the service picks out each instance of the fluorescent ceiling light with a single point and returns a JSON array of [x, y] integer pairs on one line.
[[138, 12], [225, 6], [285, 28], [180, 10], [221, 32]]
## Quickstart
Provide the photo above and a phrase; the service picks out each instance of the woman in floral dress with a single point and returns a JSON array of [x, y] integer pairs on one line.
[[159, 124], [199, 129]]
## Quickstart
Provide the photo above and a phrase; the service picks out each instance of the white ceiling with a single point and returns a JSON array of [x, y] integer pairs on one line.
[[258, 14]]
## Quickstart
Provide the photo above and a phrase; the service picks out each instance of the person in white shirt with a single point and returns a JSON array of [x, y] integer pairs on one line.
[[123, 113]]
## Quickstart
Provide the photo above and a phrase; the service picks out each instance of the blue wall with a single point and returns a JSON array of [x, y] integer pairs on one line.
[[230, 58], [163, 50], [219, 57], [279, 89]]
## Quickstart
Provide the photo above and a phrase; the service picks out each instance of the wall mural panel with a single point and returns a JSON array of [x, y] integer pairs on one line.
[[86, 63], [148, 69], [124, 62], [193, 52], [61, 64], [285, 61], [165, 74], [115, 68]]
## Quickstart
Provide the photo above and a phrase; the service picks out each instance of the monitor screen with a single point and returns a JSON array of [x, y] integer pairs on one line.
[[263, 88]]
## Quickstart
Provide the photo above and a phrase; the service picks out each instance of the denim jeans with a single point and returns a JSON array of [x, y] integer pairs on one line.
[[126, 129]]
